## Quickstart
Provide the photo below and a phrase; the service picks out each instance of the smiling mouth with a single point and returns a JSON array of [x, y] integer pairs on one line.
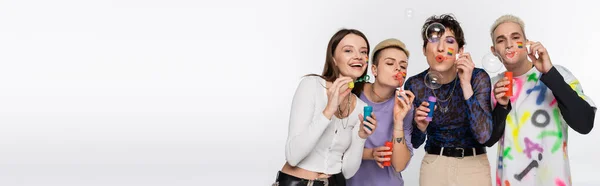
[[356, 65]]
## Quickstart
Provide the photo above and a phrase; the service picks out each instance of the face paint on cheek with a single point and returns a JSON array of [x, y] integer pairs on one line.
[[450, 51]]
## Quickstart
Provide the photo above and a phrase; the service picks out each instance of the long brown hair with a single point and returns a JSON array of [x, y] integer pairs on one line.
[[330, 71]]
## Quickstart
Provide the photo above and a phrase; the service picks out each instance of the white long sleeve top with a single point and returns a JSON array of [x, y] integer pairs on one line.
[[316, 143]]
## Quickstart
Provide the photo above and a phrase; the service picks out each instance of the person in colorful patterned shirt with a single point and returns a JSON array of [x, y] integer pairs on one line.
[[532, 124]]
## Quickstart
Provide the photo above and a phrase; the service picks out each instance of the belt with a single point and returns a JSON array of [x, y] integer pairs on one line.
[[456, 152], [284, 179]]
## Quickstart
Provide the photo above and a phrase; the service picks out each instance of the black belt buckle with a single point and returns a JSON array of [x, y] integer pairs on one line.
[[286, 179], [462, 152]]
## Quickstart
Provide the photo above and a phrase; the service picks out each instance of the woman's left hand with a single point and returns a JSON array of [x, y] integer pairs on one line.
[[371, 122]]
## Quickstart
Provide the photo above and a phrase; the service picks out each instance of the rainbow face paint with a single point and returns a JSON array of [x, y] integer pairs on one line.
[[450, 51], [520, 44]]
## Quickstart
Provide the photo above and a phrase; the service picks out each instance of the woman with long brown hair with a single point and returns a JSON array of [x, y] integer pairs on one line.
[[327, 131]]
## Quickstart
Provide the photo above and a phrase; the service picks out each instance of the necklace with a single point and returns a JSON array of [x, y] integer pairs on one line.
[[442, 108], [347, 113], [373, 91]]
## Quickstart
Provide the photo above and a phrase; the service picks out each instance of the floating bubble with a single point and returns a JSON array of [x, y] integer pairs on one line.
[[435, 31], [433, 80], [491, 63], [409, 13]]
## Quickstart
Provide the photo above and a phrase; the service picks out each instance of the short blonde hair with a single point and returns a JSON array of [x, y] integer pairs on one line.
[[508, 18]]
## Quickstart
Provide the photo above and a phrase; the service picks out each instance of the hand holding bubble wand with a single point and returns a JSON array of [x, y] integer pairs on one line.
[[400, 76], [362, 79]]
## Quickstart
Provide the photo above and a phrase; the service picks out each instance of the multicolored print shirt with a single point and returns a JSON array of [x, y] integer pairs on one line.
[[533, 149]]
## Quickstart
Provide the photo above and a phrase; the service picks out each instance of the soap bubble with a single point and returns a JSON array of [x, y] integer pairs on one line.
[[433, 80], [435, 31], [491, 63], [409, 13]]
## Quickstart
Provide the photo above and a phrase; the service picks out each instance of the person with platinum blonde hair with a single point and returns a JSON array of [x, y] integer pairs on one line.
[[547, 99]]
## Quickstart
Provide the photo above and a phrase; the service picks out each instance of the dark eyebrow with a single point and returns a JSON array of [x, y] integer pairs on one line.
[[500, 37], [353, 47]]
